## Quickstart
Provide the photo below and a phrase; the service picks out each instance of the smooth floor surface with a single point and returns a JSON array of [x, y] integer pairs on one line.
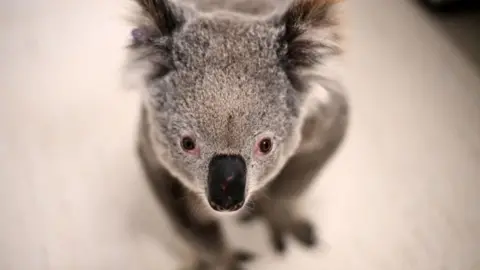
[[403, 193]]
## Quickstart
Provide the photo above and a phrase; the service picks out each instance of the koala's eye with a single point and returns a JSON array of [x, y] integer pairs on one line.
[[188, 144], [265, 146]]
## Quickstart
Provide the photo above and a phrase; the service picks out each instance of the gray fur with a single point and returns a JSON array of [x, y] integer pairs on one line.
[[228, 74]]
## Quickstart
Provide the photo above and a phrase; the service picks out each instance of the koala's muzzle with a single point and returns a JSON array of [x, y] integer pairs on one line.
[[226, 182]]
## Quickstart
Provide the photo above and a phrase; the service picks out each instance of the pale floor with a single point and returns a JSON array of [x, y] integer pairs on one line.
[[402, 194]]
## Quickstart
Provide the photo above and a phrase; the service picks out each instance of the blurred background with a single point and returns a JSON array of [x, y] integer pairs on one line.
[[403, 192]]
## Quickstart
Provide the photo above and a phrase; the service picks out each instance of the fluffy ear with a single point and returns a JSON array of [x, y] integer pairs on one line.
[[150, 41], [158, 18], [311, 33]]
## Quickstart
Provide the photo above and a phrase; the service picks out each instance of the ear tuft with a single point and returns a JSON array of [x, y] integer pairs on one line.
[[150, 40], [313, 13], [311, 32], [162, 15]]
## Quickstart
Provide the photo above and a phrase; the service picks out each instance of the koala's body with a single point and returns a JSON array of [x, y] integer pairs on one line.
[[241, 109]]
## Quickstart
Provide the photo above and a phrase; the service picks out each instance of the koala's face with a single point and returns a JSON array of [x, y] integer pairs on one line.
[[223, 106]]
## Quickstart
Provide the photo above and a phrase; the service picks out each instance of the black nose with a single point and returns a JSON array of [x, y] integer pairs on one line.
[[226, 182]]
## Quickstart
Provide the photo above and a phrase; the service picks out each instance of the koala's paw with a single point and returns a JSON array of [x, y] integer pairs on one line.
[[282, 225], [302, 231]]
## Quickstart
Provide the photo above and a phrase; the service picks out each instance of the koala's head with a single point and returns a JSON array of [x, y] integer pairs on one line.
[[224, 91]]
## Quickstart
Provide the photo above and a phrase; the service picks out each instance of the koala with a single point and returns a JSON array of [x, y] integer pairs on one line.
[[241, 108]]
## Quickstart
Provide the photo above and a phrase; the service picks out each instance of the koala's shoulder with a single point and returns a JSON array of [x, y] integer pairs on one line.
[[326, 113]]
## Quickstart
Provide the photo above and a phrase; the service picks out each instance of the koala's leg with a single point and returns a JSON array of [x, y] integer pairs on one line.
[[277, 205], [200, 232]]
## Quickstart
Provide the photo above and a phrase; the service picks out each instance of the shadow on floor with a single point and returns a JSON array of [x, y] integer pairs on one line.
[[461, 24]]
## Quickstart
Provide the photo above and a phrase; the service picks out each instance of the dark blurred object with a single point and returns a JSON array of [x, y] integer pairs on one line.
[[451, 5], [458, 21]]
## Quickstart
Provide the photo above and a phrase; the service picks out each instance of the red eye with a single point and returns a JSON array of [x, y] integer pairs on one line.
[[188, 144], [265, 146]]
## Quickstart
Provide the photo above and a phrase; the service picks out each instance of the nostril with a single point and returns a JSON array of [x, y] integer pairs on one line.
[[216, 206], [226, 201], [227, 207]]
